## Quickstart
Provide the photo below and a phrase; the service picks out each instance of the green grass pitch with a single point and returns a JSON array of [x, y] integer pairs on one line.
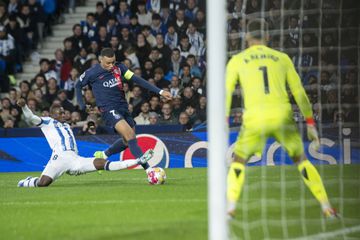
[[121, 205]]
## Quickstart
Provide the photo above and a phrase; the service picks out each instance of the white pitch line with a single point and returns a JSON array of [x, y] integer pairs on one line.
[[102, 202], [331, 235]]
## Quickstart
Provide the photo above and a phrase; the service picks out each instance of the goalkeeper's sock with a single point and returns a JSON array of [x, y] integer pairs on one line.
[[28, 182], [313, 180], [235, 182], [118, 165]]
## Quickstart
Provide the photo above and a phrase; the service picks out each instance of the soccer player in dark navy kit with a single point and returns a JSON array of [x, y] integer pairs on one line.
[[106, 80]]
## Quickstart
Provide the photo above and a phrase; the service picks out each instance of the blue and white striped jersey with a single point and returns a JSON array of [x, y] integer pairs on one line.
[[59, 135]]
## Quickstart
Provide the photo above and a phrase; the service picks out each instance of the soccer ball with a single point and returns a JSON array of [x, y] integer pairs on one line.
[[156, 176]]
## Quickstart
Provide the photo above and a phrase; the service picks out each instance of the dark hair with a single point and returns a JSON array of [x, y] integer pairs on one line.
[[107, 52], [90, 14], [257, 28], [99, 4]]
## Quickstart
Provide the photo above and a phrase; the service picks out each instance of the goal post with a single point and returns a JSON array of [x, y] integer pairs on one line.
[[217, 127]]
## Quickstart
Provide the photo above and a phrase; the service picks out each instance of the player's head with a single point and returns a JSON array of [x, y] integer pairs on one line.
[[57, 112], [257, 30], [107, 58]]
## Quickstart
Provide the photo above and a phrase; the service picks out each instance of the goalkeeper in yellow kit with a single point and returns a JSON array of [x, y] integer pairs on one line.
[[263, 74]]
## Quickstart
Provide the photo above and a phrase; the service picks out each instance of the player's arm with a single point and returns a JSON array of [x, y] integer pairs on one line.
[[82, 82], [129, 75], [302, 101], [28, 114], [232, 78]]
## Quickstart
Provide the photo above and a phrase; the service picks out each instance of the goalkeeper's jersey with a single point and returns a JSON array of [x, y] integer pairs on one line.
[[263, 74]]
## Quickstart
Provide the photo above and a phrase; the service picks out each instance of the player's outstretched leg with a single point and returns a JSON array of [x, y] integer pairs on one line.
[[117, 147], [235, 182], [118, 165], [313, 180]]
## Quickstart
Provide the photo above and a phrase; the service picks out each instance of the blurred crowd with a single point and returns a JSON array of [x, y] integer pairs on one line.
[[322, 39], [164, 41]]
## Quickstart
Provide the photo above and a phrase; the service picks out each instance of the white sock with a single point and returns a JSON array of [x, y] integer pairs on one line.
[[104, 155], [31, 182], [118, 165]]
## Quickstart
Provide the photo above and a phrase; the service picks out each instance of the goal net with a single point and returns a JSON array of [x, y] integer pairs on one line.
[[322, 39]]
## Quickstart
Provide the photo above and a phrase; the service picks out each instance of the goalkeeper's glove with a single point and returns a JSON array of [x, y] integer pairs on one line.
[[312, 133]]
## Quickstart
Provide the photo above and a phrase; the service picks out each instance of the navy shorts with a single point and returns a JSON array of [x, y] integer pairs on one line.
[[113, 116]]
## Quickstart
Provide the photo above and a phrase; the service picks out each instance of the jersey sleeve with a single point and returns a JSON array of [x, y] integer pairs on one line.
[[297, 89], [127, 74], [232, 78], [45, 121], [85, 78]]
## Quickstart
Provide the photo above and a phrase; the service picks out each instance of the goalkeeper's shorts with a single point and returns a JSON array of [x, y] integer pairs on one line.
[[255, 132]]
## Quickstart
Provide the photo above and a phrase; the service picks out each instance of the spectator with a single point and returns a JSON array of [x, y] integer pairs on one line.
[[201, 109], [158, 60], [13, 97], [78, 39], [154, 6], [167, 117], [25, 89], [7, 52], [69, 51], [180, 23], [175, 86], [123, 14], [102, 38], [160, 82], [110, 7], [143, 48], [155, 104], [196, 85], [39, 97], [89, 26], [144, 17], [136, 99], [3, 15], [194, 69], [164, 50], [117, 48], [131, 55], [146, 31], [134, 26], [185, 47], [196, 39], [52, 89], [191, 10], [157, 27], [92, 128], [47, 72], [188, 97], [200, 22], [184, 121], [82, 61], [39, 82], [191, 112], [101, 16], [171, 37], [14, 7], [185, 75], [175, 61], [5, 111], [148, 71], [177, 106], [143, 116], [75, 119], [65, 103], [153, 118], [69, 85], [111, 26]]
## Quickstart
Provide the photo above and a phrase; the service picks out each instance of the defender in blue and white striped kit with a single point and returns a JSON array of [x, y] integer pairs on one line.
[[64, 157]]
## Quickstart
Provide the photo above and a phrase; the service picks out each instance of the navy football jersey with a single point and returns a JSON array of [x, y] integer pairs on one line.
[[108, 91]]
